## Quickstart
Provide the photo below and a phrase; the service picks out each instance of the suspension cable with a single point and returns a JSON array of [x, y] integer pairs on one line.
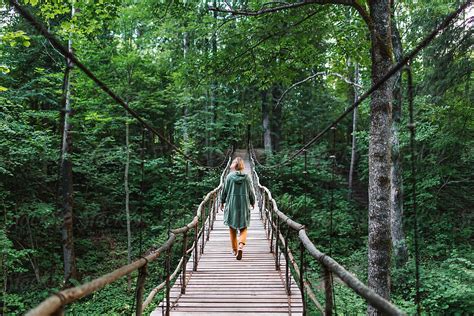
[[72, 57], [395, 68]]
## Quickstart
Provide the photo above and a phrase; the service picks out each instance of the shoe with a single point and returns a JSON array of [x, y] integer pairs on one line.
[[234, 252], [239, 253]]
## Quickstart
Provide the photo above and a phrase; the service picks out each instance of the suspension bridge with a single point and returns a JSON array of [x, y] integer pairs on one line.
[[208, 280], [270, 279]]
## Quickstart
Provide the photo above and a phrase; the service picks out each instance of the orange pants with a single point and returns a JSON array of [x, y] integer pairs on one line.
[[233, 237]]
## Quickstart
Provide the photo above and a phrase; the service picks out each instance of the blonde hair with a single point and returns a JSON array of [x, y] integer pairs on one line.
[[239, 164]]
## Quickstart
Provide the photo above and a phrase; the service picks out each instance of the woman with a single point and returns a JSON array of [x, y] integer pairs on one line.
[[237, 196]]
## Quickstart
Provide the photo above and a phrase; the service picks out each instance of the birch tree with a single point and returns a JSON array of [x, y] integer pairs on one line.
[[69, 257]]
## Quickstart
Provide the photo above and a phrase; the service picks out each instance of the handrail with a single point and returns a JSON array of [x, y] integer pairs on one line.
[[54, 303], [186, 228], [326, 261]]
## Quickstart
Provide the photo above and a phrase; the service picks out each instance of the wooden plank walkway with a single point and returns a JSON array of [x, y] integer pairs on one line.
[[223, 285]]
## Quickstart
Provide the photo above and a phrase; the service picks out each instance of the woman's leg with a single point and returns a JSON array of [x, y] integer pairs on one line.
[[233, 238], [243, 236], [242, 241]]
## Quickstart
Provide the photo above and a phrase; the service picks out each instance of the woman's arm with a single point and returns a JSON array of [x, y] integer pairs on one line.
[[224, 192], [251, 192]]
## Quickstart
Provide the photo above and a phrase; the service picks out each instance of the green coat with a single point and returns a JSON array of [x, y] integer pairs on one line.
[[238, 196]]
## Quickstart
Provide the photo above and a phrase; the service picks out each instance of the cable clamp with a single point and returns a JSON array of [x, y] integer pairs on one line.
[[146, 260], [61, 297]]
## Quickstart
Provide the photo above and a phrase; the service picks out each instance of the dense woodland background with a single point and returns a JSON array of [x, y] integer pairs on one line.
[[200, 78]]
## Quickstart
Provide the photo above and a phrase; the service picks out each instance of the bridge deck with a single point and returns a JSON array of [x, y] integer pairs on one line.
[[223, 285]]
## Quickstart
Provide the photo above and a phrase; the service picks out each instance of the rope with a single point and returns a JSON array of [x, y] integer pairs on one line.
[[395, 69], [71, 56]]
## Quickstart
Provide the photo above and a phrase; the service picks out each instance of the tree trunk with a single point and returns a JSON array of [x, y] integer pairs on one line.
[[213, 109], [277, 118], [267, 132], [354, 130], [70, 270], [127, 204], [396, 211], [379, 252], [186, 109]]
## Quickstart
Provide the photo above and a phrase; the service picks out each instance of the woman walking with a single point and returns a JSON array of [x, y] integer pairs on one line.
[[237, 196]]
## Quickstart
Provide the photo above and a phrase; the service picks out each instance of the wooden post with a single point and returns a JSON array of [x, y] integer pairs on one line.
[[210, 216], [195, 246], [277, 235], [203, 227], [168, 259], [327, 292], [142, 273], [59, 311], [264, 211], [185, 263], [302, 277], [287, 264], [214, 210], [271, 229]]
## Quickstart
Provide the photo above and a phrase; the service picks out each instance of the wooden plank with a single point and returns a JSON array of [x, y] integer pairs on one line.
[[223, 285]]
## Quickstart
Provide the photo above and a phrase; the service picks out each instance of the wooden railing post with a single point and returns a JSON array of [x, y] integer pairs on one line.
[[185, 262], [328, 292], [302, 277], [142, 273], [214, 210], [287, 264], [168, 263], [264, 210], [203, 227], [195, 246], [277, 235], [59, 311], [210, 216], [271, 228]]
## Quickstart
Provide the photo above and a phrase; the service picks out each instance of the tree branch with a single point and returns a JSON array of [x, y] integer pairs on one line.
[[321, 73], [227, 67], [279, 8]]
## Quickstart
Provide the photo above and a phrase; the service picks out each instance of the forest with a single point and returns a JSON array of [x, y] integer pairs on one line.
[[86, 188]]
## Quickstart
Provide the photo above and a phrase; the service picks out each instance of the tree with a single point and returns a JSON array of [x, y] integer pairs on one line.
[[70, 270], [377, 16], [353, 131], [396, 183], [267, 132]]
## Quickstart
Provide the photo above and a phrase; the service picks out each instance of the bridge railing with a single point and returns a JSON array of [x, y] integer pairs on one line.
[[273, 218], [201, 225]]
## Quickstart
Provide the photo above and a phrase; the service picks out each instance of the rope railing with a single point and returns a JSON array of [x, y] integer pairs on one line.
[[55, 303], [273, 217]]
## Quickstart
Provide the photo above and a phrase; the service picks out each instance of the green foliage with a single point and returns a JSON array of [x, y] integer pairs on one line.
[[202, 98]]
